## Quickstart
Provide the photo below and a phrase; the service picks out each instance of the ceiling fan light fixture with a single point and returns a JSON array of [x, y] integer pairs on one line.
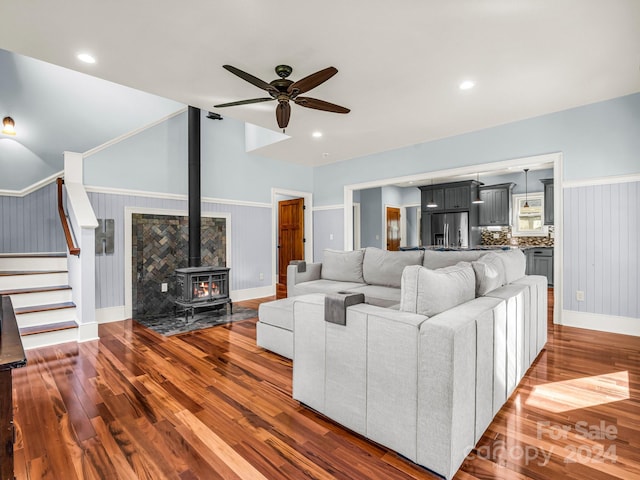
[[8, 126], [86, 58], [467, 85]]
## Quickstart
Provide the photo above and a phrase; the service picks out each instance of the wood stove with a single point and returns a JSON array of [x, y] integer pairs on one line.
[[201, 287]]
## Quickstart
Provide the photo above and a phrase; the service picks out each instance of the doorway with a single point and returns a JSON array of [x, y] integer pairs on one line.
[[393, 228], [290, 239]]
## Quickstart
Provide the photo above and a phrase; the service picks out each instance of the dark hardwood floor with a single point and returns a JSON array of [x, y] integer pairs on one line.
[[211, 404]]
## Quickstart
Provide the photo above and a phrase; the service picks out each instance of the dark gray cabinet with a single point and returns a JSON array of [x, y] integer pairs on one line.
[[540, 262], [457, 198], [548, 200], [496, 209], [449, 197]]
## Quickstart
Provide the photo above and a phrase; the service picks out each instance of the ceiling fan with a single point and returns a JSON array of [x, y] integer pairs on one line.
[[284, 90]]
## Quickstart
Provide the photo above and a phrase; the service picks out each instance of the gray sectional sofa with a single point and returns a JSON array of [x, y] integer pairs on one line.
[[422, 367]]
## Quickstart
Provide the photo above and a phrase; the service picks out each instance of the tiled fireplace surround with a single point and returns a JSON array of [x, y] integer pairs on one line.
[[159, 246]]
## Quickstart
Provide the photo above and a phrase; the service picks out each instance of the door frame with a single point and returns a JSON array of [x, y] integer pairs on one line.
[[308, 226], [556, 158]]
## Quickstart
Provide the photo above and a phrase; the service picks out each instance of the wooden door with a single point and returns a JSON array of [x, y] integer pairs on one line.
[[290, 235], [393, 228]]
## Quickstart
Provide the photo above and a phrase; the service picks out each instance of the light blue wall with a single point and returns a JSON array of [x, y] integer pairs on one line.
[[413, 228], [597, 140], [156, 161], [250, 248], [330, 223], [534, 177], [31, 223], [370, 218], [601, 232]]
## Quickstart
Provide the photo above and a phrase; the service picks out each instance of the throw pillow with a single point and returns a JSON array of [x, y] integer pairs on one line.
[[384, 268], [429, 292], [489, 272], [342, 266], [515, 264]]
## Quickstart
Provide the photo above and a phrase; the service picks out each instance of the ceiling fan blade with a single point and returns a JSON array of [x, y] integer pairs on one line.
[[283, 112], [312, 81], [243, 102], [320, 105], [250, 78]]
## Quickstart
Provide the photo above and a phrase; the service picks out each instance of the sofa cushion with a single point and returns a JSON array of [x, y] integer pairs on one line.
[[429, 292], [381, 267], [321, 286], [489, 271], [515, 265], [342, 266], [378, 295], [439, 259]]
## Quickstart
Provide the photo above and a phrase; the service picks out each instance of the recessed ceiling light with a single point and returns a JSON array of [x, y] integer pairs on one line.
[[316, 134], [86, 58], [467, 84]]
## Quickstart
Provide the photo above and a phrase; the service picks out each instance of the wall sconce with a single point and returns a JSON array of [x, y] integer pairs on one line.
[[8, 126]]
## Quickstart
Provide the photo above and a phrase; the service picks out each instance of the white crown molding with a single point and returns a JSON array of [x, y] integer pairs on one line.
[[132, 133], [172, 196], [590, 182], [32, 188]]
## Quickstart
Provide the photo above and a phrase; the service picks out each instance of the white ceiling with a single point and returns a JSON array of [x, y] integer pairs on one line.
[[399, 63]]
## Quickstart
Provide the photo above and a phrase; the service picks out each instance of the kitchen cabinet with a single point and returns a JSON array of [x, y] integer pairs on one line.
[[457, 198], [540, 262], [548, 200], [496, 209], [433, 194], [449, 197]]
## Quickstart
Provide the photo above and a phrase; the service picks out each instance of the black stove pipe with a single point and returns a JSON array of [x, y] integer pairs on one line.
[[194, 188]]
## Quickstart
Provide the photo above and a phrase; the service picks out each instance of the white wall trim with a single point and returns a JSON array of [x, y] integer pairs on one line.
[[308, 226], [132, 133], [603, 323], [88, 332], [251, 293], [32, 188], [588, 182], [128, 212], [172, 196], [111, 314], [328, 207]]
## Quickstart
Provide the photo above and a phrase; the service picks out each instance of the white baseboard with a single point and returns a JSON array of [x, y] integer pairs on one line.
[[251, 293], [604, 323], [110, 314], [88, 332]]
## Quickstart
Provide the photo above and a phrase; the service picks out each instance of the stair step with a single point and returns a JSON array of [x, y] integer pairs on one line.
[[34, 255], [44, 308], [48, 327], [19, 291], [33, 261], [32, 279], [10, 273]]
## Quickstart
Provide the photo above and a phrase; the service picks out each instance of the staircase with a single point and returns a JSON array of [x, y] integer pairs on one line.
[[38, 287]]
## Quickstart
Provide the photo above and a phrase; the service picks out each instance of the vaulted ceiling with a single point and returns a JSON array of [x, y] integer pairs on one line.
[[400, 63]]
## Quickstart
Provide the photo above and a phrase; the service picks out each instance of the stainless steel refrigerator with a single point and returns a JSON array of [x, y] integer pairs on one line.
[[446, 229]]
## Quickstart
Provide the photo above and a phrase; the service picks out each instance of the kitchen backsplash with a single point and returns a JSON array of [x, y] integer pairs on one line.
[[505, 238]]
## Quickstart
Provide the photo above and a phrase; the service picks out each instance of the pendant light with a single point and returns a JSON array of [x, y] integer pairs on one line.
[[8, 126], [526, 188], [431, 203], [478, 199]]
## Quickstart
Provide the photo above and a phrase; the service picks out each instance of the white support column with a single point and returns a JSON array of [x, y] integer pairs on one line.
[[82, 276]]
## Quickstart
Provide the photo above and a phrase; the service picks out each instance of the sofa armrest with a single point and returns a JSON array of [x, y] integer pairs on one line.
[[294, 277]]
